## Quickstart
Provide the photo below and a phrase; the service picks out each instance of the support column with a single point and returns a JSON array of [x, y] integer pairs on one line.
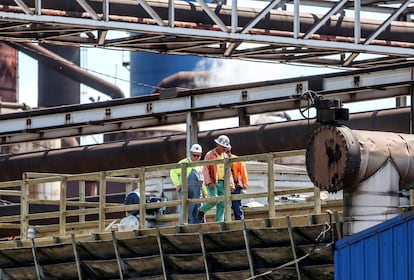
[[191, 130]]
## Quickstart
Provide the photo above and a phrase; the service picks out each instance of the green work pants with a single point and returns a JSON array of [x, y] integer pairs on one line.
[[218, 190]]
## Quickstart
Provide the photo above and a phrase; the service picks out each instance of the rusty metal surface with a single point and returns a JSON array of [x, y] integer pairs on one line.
[[8, 73], [272, 137], [277, 20], [66, 67], [338, 29], [333, 158]]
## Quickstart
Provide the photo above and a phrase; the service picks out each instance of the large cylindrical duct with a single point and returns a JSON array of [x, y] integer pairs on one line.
[[369, 166], [372, 201], [55, 88], [68, 69]]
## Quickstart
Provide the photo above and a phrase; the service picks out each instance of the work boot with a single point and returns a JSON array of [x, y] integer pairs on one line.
[[201, 216]]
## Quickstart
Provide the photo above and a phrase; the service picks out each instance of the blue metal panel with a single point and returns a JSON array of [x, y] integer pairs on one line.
[[410, 249], [342, 260], [384, 251], [400, 256], [385, 244], [371, 249], [357, 265]]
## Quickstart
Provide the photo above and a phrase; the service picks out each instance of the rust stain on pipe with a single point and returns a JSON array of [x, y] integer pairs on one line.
[[66, 67], [272, 137], [337, 28]]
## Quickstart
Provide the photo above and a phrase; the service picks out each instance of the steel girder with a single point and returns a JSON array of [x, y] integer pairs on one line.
[[204, 104], [282, 31]]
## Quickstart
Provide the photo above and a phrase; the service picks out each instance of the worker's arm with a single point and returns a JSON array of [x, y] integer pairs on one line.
[[175, 176], [208, 181], [243, 175]]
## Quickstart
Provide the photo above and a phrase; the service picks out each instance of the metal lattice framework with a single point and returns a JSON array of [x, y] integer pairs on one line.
[[336, 33]]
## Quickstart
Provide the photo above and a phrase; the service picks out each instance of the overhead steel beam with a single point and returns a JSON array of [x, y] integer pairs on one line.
[[202, 29], [272, 4], [337, 7], [205, 104], [380, 29], [24, 7]]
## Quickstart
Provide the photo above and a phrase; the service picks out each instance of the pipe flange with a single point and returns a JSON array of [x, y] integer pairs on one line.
[[333, 158]]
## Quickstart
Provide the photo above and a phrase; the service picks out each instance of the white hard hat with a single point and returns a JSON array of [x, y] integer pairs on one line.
[[196, 148], [223, 140]]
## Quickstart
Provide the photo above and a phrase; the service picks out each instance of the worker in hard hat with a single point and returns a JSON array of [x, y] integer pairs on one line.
[[241, 182], [214, 178], [194, 183]]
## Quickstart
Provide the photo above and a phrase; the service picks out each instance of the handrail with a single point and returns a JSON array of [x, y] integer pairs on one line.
[[81, 208]]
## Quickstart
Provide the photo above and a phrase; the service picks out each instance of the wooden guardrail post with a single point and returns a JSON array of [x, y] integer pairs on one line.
[[102, 201], [62, 207], [271, 185], [142, 200], [317, 204], [82, 198], [227, 193], [24, 207], [184, 193]]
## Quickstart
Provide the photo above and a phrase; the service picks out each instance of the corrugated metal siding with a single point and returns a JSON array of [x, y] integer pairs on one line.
[[384, 251]]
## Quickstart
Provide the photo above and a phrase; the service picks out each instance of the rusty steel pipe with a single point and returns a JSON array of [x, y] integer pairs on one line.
[[272, 137], [68, 68], [277, 20]]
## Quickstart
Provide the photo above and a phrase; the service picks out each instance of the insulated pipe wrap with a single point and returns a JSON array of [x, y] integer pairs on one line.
[[378, 147], [340, 158]]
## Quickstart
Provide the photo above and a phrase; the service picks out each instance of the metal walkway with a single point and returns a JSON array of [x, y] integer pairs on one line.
[[334, 33]]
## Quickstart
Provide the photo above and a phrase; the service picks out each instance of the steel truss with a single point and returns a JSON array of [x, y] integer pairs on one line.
[[282, 31], [204, 104]]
